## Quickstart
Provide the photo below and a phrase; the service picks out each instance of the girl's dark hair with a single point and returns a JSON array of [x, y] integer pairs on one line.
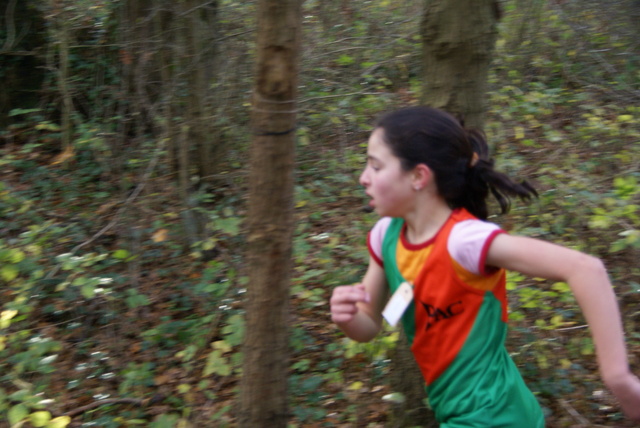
[[437, 139]]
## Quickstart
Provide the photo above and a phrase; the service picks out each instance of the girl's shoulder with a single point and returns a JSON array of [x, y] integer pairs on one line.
[[469, 243], [376, 237], [380, 228]]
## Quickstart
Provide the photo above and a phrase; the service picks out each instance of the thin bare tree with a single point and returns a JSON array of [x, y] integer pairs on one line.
[[263, 397]]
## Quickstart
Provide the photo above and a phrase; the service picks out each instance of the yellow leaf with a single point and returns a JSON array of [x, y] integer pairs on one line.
[[209, 244], [7, 315], [543, 362], [519, 132], [222, 346], [160, 235], [59, 422], [356, 386], [5, 318], [66, 154], [183, 423], [40, 418]]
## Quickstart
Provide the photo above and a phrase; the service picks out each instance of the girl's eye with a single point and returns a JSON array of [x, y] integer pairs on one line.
[[373, 163]]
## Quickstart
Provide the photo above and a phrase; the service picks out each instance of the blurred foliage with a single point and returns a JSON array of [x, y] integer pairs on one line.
[[104, 300]]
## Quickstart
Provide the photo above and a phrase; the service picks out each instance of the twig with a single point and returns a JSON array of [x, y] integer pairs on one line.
[[574, 413], [241, 33], [205, 4], [95, 404], [576, 327], [306, 100]]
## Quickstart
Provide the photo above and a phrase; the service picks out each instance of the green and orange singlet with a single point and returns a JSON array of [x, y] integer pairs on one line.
[[457, 323]]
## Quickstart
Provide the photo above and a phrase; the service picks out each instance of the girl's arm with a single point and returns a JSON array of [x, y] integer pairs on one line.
[[357, 309], [588, 279]]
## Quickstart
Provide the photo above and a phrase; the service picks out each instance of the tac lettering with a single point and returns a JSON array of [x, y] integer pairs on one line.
[[435, 314]]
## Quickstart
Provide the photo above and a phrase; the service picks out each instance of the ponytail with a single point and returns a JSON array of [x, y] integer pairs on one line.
[[481, 179]]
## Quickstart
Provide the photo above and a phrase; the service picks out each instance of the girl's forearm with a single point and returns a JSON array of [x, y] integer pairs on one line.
[[594, 293]]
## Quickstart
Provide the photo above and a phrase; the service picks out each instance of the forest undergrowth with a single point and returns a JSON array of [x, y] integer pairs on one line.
[[146, 330]]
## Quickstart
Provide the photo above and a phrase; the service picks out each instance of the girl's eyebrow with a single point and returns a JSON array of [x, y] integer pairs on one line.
[[372, 159]]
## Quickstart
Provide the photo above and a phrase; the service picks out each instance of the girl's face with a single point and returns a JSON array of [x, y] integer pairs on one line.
[[389, 186]]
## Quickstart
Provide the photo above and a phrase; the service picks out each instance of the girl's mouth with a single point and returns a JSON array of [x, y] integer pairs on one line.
[[371, 203]]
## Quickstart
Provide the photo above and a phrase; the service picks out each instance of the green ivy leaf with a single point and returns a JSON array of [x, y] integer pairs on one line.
[[345, 60], [229, 225], [234, 330], [216, 364], [17, 413], [135, 300], [618, 245], [9, 273], [16, 256], [88, 291], [165, 421], [19, 111], [120, 254]]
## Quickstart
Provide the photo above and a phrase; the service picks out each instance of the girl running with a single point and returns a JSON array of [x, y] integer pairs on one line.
[[429, 179]]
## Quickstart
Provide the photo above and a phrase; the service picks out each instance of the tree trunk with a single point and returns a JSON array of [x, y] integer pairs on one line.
[[22, 64], [205, 34], [137, 48], [263, 396], [458, 43], [406, 378], [62, 36]]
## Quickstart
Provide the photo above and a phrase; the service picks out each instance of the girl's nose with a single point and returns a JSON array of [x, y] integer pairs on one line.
[[364, 179]]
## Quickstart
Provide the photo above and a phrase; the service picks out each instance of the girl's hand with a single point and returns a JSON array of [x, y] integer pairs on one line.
[[344, 302], [627, 391]]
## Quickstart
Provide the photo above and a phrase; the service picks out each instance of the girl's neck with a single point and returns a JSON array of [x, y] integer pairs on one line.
[[424, 224]]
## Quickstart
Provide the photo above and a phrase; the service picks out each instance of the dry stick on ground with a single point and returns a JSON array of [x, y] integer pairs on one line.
[[95, 404], [574, 413]]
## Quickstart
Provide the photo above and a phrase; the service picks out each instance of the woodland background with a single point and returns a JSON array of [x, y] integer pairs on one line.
[[124, 137]]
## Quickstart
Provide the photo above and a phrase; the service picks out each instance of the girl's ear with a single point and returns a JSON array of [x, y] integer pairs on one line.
[[422, 176]]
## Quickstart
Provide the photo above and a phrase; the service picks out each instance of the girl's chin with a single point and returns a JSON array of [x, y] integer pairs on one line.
[[377, 209], [385, 213]]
